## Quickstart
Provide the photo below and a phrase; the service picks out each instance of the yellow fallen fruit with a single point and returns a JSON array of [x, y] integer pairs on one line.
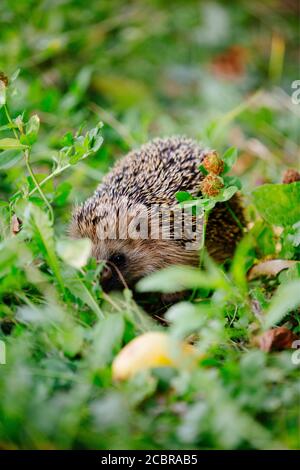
[[152, 349]]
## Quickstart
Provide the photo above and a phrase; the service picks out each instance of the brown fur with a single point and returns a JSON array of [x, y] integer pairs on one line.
[[151, 175]]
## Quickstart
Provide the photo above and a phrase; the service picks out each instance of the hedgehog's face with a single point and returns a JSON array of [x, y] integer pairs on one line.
[[128, 259]]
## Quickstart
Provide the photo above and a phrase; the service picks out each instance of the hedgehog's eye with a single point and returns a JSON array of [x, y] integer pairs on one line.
[[118, 259]]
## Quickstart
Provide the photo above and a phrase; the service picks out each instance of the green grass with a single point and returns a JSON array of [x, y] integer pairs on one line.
[[144, 70]]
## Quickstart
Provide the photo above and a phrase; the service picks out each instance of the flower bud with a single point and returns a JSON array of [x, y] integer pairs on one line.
[[213, 163], [211, 185]]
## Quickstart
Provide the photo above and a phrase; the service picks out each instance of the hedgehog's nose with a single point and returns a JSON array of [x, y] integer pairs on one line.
[[106, 274]]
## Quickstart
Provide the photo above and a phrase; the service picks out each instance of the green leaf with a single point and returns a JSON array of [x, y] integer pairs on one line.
[[290, 274], [264, 236], [206, 204], [175, 278], [33, 125], [182, 196], [62, 193], [11, 144], [74, 252], [226, 194], [68, 139], [203, 170], [77, 288], [37, 226], [296, 234], [9, 158], [32, 129], [287, 298], [2, 93], [8, 126], [80, 147], [229, 158], [95, 139], [107, 337], [72, 340], [48, 187], [278, 204], [15, 75], [69, 337], [243, 259], [232, 181], [187, 318], [32, 314]]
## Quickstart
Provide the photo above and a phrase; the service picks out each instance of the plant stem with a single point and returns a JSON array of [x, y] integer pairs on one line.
[[56, 172], [205, 220], [45, 180], [10, 122], [26, 156], [234, 216], [38, 188], [201, 260], [49, 177]]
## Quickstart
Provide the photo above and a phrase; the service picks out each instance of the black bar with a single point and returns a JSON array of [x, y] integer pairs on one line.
[[136, 458]]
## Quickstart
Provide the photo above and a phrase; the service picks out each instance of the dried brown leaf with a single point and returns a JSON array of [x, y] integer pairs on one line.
[[231, 63], [290, 176], [275, 339], [269, 268], [16, 224]]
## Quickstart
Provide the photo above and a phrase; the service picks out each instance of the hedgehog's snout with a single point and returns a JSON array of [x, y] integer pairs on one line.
[[106, 274], [111, 277]]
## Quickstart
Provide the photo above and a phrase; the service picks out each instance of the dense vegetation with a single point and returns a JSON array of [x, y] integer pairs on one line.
[[222, 73]]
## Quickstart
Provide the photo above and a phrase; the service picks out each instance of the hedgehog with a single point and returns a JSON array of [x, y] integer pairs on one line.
[[147, 178]]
